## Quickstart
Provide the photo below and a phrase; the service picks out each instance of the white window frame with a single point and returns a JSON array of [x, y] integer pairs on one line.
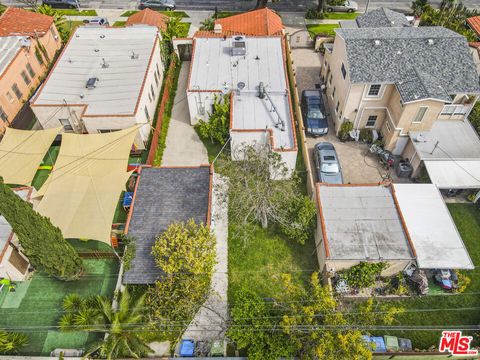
[[337, 107], [343, 70], [374, 122], [388, 126], [380, 91], [416, 119]]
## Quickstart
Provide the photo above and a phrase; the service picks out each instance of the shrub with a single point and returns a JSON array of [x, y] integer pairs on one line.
[[314, 13], [300, 222], [363, 274], [366, 135], [463, 282], [217, 128], [10, 343], [345, 128]]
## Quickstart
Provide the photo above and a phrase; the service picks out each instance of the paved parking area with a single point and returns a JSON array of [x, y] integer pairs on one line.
[[358, 165]]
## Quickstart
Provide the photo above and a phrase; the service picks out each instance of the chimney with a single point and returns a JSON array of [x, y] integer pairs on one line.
[[217, 29]]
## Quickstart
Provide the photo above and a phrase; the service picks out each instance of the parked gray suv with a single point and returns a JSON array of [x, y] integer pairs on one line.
[[327, 165]]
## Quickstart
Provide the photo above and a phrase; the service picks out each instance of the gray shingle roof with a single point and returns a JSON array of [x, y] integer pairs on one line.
[[164, 196], [382, 17], [423, 62]]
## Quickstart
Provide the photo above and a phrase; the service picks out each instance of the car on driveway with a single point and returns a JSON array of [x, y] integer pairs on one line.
[[157, 4], [313, 112], [327, 165], [99, 21], [347, 6], [69, 4]]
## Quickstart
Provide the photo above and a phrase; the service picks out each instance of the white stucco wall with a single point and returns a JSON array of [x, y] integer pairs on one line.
[[197, 100]]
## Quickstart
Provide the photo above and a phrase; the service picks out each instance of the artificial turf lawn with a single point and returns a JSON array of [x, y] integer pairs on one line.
[[467, 219], [341, 15], [258, 262], [49, 159], [327, 29], [40, 309]]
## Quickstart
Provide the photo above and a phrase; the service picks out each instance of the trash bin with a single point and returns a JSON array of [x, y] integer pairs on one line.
[[187, 348]]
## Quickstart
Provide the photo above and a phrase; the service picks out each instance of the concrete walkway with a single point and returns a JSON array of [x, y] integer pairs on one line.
[[210, 322], [184, 147]]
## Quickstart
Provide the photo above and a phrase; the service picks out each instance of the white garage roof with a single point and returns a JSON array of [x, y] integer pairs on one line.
[[432, 231], [459, 174]]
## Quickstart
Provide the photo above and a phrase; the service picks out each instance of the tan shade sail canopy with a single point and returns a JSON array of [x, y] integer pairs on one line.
[[82, 192], [22, 151]]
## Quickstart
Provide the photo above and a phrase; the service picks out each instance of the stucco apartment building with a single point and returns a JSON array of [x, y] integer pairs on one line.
[[106, 79], [28, 44], [383, 74]]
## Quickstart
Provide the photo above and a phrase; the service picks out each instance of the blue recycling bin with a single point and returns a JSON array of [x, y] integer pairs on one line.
[[187, 348]]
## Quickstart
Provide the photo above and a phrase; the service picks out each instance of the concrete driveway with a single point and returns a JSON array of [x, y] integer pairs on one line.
[[358, 165], [183, 146]]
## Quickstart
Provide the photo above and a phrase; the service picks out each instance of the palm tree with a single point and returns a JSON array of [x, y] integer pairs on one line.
[[119, 325], [10, 342]]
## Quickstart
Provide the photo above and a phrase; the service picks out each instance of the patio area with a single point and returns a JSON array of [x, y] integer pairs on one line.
[[36, 306]]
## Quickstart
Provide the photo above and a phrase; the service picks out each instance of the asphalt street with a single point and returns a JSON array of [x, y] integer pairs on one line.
[[242, 5]]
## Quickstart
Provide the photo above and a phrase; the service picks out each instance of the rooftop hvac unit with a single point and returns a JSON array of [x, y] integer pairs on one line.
[[239, 45], [92, 83]]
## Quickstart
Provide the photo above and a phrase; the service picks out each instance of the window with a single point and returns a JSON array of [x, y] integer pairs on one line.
[[374, 90], [3, 115], [17, 91], [25, 77], [344, 71], [106, 131], [39, 56], [448, 110], [30, 70], [149, 97], [156, 78], [333, 93], [331, 76], [9, 97], [372, 119], [66, 124], [420, 114], [388, 126], [146, 113], [158, 70], [338, 105], [153, 91]]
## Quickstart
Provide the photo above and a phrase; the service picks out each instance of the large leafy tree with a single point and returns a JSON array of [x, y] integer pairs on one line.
[[259, 191], [186, 254], [11, 342], [42, 242], [175, 28], [305, 322], [122, 325]]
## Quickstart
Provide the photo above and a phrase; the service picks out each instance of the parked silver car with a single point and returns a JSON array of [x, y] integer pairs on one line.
[[348, 6], [327, 165]]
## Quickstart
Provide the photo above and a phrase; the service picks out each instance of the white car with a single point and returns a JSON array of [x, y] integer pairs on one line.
[[348, 6], [98, 21]]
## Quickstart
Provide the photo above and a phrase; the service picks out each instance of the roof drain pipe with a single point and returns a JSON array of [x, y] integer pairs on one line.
[[262, 94]]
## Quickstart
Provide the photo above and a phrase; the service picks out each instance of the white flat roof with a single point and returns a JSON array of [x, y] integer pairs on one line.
[[454, 174], [126, 53], [9, 47], [214, 68], [432, 231]]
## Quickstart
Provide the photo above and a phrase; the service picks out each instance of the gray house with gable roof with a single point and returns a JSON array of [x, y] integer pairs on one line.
[[398, 79]]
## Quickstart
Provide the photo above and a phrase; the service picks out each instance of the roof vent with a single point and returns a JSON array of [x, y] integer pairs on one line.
[[102, 36], [105, 65], [420, 138], [133, 55], [239, 45], [92, 83], [430, 42], [376, 42], [241, 85]]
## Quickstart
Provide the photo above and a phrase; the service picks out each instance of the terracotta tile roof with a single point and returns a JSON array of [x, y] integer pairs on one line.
[[17, 21], [256, 22], [474, 23], [149, 17]]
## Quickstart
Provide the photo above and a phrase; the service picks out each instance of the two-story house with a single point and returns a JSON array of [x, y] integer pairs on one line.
[[28, 44], [398, 79]]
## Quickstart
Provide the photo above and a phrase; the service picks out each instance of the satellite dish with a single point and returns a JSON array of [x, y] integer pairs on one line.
[[241, 85]]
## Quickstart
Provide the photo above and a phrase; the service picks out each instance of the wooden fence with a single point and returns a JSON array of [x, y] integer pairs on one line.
[[167, 86], [299, 118]]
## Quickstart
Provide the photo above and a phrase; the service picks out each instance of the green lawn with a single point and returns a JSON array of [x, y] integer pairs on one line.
[[37, 304], [467, 219], [258, 262], [181, 14], [48, 160], [74, 12], [327, 29], [224, 14], [119, 23], [70, 25], [341, 16]]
